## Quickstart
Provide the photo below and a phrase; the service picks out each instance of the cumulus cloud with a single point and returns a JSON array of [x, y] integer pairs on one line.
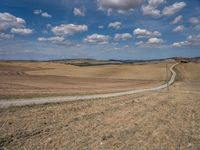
[[68, 29], [55, 39], [21, 31], [78, 12], [115, 25], [140, 43], [150, 11], [119, 5], [180, 44], [8, 21], [152, 42], [140, 33], [101, 27], [194, 40], [194, 20], [97, 38], [127, 46], [152, 8], [37, 11], [4, 36], [15, 24], [58, 40], [176, 7], [123, 36], [43, 14], [46, 15], [178, 19], [155, 41], [48, 25], [180, 28], [190, 41], [155, 3]]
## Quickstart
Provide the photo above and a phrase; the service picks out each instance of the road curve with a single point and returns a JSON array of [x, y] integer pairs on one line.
[[60, 99]]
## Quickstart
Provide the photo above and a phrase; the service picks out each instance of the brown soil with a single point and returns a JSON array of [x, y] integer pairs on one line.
[[156, 120]]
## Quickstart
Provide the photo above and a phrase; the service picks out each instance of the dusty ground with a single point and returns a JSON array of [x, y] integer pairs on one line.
[[157, 120], [35, 79]]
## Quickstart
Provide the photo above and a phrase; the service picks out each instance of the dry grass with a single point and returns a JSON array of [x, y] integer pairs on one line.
[[157, 120], [35, 79], [150, 71]]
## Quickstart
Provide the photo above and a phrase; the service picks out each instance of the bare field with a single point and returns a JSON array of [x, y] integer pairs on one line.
[[154, 120], [38, 79]]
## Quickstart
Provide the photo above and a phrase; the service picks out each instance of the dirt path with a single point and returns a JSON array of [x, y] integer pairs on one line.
[[47, 100]]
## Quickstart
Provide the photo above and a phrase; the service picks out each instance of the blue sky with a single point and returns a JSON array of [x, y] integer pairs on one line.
[[99, 29]]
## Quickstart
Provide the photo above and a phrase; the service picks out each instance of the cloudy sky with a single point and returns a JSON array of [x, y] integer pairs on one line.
[[99, 29]]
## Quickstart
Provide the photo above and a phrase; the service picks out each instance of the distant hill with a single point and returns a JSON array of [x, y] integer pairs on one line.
[[87, 61]]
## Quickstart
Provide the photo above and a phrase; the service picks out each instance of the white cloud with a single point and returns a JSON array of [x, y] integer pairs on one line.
[[21, 31], [140, 33], [124, 5], [123, 36], [43, 14], [115, 25], [155, 41], [127, 46], [4, 36], [78, 12], [155, 3], [8, 21], [46, 15], [180, 28], [176, 7], [101, 27], [152, 8], [197, 27], [150, 11], [68, 29], [55, 39], [178, 19], [109, 12], [180, 44], [48, 25], [194, 40], [59, 40], [152, 42], [78, 45], [140, 43], [117, 48], [97, 38], [194, 20], [15, 24], [37, 11], [190, 41]]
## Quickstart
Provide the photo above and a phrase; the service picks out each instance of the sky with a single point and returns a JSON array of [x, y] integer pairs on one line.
[[99, 29]]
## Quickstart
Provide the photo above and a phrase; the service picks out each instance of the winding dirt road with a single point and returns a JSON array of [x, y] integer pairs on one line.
[[37, 101]]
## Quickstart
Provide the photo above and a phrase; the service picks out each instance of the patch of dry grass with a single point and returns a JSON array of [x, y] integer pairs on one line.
[[41, 79]]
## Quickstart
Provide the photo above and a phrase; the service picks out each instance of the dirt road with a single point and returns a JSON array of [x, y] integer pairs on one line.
[[47, 100]]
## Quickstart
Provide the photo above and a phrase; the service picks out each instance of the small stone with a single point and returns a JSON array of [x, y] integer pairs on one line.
[[189, 145]]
